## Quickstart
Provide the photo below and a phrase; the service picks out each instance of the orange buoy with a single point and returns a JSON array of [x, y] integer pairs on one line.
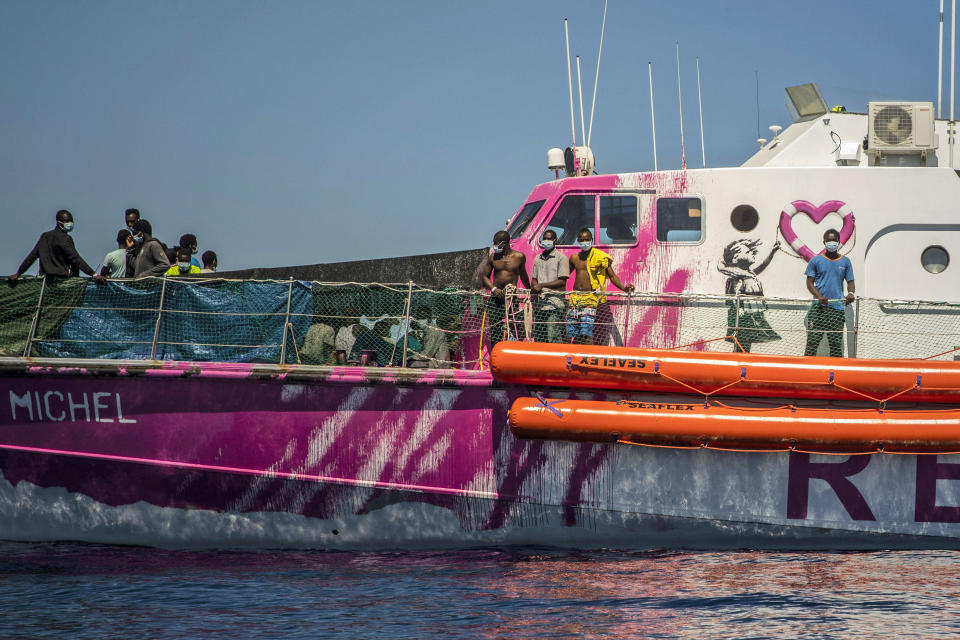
[[720, 426], [732, 374]]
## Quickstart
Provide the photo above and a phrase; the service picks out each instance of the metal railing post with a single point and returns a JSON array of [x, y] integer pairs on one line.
[[36, 319], [406, 325], [156, 329], [736, 319], [626, 320], [286, 323], [856, 326]]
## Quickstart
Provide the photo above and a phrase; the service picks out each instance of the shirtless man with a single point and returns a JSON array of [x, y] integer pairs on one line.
[[502, 268], [593, 267]]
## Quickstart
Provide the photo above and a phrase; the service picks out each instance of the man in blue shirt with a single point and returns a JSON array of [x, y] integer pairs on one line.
[[826, 274]]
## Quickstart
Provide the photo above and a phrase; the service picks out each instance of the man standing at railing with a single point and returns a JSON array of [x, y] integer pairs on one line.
[[826, 274], [151, 258], [550, 272], [57, 253], [593, 267], [501, 269]]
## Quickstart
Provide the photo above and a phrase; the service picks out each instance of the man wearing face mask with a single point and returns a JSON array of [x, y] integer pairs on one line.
[[183, 266], [151, 258], [550, 272], [826, 274], [501, 268], [57, 253], [593, 268]]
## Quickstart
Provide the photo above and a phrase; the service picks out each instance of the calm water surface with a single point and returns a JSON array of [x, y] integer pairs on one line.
[[85, 591]]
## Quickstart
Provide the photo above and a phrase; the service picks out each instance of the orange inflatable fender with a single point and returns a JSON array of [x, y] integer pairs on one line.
[[732, 374], [720, 426]]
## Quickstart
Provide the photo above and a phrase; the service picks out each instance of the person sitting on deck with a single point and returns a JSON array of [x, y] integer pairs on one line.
[[183, 266], [826, 274], [57, 253], [318, 345], [592, 267], [435, 354], [115, 262], [501, 268]]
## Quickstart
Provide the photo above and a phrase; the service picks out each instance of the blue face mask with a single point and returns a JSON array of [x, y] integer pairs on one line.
[[586, 245], [184, 267], [497, 249], [138, 239], [67, 226], [546, 245], [832, 246]]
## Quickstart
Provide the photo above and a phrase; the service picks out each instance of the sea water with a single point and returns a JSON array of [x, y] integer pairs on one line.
[[67, 590]]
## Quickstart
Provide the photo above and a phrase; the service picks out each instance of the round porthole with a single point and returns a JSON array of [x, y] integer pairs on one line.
[[744, 218], [935, 259]]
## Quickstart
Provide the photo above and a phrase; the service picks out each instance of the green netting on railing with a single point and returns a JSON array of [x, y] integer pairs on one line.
[[350, 323]]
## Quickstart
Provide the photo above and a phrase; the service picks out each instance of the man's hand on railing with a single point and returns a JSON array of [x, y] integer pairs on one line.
[[99, 279], [12, 280]]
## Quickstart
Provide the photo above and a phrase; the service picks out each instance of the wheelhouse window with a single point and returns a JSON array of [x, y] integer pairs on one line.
[[679, 220], [574, 213], [618, 220], [522, 221]]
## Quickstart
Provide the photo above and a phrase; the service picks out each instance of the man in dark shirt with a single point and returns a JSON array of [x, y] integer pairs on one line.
[[151, 258], [57, 253]]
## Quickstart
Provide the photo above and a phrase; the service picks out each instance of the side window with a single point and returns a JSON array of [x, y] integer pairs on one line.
[[679, 220], [574, 213], [618, 220], [522, 221]]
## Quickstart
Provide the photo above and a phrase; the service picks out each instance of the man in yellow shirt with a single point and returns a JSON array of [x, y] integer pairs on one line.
[[593, 267], [183, 266]]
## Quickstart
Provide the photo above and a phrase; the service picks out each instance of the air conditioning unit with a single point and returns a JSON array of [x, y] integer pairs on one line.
[[900, 127]]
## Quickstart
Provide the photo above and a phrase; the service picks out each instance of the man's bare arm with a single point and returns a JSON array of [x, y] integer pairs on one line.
[[486, 270], [616, 280], [524, 278]]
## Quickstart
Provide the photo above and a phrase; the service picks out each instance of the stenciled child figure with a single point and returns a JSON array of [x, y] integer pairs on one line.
[[742, 271]]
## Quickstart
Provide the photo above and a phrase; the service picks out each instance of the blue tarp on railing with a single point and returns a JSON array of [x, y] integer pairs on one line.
[[222, 321]]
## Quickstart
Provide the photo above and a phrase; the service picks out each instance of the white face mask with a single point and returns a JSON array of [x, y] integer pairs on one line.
[[832, 246], [184, 267], [546, 245], [586, 245]]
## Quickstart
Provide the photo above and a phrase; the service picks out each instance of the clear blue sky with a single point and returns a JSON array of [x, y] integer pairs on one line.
[[290, 133]]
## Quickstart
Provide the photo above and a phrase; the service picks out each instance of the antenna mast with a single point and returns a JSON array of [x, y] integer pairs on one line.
[[683, 153], [573, 126], [940, 65], [756, 74], [653, 123], [953, 50], [596, 78], [583, 132], [703, 151]]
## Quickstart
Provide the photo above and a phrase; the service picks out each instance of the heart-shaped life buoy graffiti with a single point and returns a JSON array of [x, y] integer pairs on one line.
[[817, 214]]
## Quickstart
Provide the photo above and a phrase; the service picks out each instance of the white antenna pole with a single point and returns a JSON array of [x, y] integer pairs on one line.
[[596, 78], [953, 49], [653, 122], [703, 151], [940, 65], [583, 131], [683, 153], [573, 126]]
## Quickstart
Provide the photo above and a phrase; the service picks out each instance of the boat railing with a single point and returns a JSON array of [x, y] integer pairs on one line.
[[406, 325]]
